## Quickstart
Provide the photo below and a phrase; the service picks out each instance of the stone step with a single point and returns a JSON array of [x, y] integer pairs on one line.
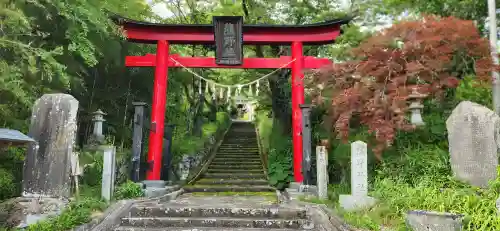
[[164, 211], [125, 228], [227, 222], [241, 134], [242, 141], [236, 166], [238, 149], [238, 145], [238, 156], [228, 188], [239, 160], [233, 162], [234, 176], [242, 154], [232, 182], [231, 171]]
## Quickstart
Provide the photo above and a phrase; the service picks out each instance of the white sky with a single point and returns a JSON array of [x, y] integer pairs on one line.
[[160, 9]]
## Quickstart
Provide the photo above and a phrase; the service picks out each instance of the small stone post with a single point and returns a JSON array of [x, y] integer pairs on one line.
[[322, 171], [108, 172], [306, 143], [137, 139], [98, 120], [359, 179]]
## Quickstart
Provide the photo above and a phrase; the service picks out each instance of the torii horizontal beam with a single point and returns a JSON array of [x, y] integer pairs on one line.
[[309, 34], [149, 60]]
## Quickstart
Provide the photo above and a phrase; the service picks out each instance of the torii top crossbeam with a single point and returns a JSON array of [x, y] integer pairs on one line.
[[165, 34], [260, 34]]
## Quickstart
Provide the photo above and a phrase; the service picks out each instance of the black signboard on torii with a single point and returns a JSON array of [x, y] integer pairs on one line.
[[228, 34]]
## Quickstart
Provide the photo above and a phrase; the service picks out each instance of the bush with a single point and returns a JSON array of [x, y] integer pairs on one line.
[[473, 90], [77, 213], [92, 163], [280, 168], [128, 190], [7, 187], [416, 173]]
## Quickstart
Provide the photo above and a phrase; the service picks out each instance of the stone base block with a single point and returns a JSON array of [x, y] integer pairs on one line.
[[157, 188], [312, 189], [154, 183], [352, 203], [419, 220]]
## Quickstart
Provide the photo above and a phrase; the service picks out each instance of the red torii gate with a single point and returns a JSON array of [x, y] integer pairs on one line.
[[165, 34]]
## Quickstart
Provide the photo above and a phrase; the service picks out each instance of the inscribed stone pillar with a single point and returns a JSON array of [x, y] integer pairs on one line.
[[47, 166], [359, 169], [359, 180], [322, 171], [108, 172], [473, 143]]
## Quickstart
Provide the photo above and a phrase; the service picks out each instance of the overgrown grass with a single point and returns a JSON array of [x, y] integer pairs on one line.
[[278, 148], [78, 212]]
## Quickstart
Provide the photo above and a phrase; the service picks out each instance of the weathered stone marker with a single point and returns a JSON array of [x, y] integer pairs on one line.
[[47, 167], [137, 139], [359, 168], [359, 179], [306, 142], [108, 172], [322, 171], [473, 142]]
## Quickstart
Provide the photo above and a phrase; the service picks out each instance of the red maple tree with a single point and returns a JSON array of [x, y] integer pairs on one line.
[[428, 55]]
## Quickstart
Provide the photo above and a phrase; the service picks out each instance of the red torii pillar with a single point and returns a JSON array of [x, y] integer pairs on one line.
[[158, 110], [297, 99]]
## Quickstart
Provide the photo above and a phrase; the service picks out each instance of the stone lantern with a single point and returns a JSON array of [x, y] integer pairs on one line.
[[416, 107], [98, 120]]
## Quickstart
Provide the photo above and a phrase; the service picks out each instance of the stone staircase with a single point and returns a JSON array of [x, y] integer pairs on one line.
[[237, 166], [249, 205], [215, 213]]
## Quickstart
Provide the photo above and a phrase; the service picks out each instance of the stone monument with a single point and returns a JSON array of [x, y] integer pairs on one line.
[[47, 166], [359, 179], [473, 142]]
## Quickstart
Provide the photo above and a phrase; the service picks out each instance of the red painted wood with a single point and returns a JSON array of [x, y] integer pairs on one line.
[[149, 60], [297, 99], [192, 35], [158, 111]]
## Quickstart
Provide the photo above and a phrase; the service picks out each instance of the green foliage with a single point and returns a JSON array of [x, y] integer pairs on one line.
[[280, 168], [7, 187], [128, 190], [184, 143], [416, 173], [472, 90], [430, 193], [92, 163], [11, 165], [77, 213]]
